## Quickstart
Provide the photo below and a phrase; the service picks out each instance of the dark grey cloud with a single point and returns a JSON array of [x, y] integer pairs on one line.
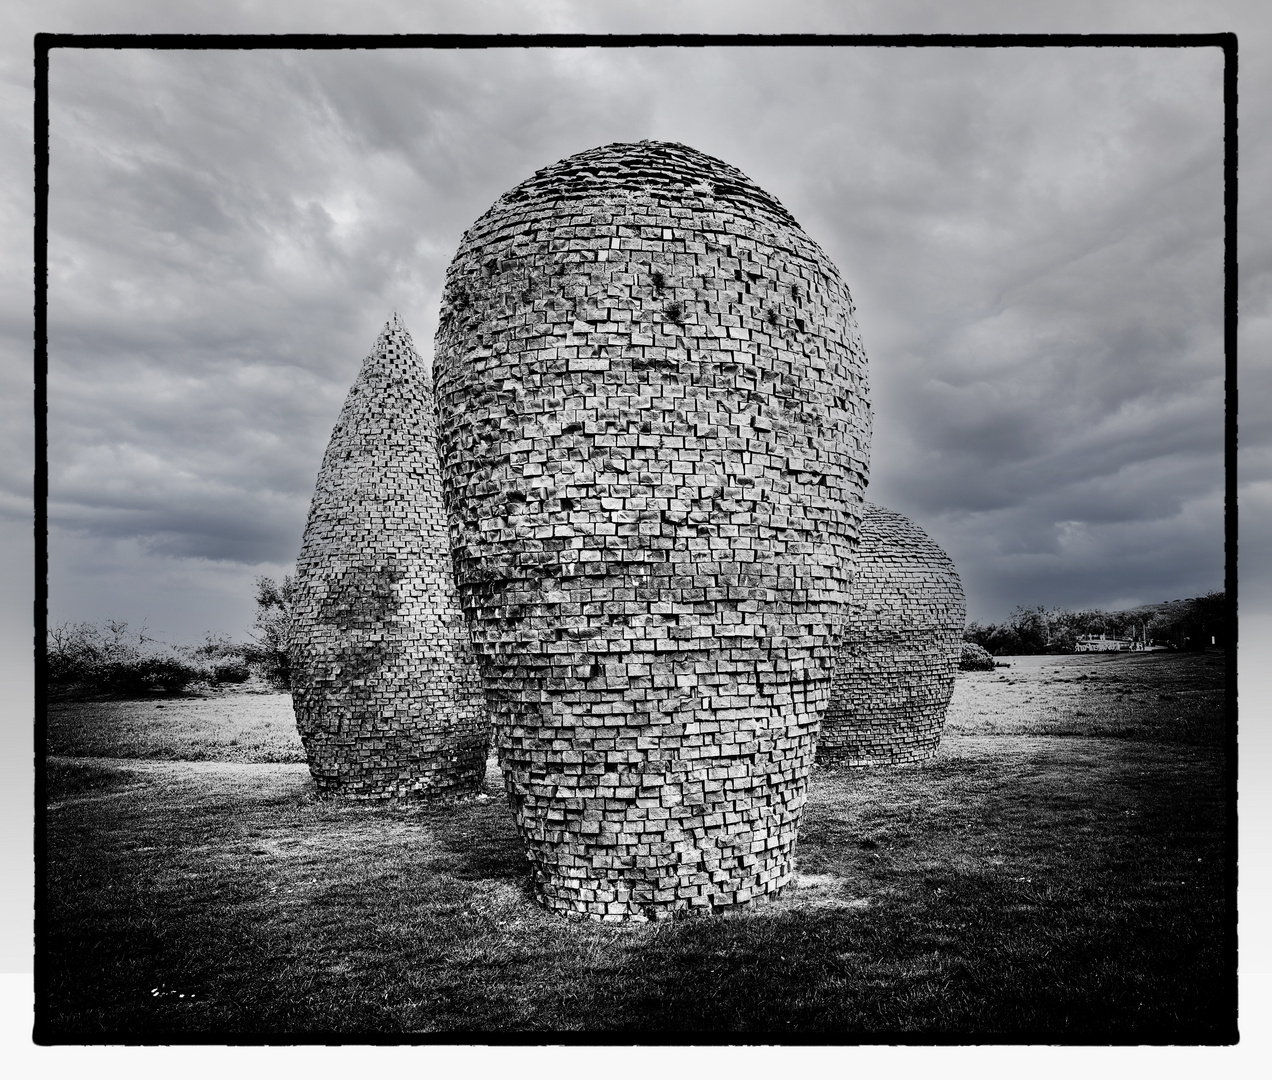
[[1041, 297], [1033, 240]]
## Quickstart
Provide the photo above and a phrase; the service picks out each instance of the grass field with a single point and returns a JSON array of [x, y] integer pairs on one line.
[[1058, 873]]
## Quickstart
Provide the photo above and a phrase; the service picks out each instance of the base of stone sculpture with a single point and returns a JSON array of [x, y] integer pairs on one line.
[[350, 769], [904, 717]]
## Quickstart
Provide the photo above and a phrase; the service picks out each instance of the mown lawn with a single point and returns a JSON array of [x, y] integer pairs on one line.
[[226, 726], [1028, 885]]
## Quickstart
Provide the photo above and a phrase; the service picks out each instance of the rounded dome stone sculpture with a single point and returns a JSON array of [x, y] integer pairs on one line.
[[654, 430], [901, 645], [385, 686]]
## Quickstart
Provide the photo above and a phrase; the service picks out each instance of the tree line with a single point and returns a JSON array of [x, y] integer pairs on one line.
[[113, 658], [1189, 624]]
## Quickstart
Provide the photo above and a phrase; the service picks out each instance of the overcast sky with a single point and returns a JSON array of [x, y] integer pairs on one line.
[[1033, 239]]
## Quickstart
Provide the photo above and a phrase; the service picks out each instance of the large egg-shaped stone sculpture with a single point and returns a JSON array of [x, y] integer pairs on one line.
[[386, 691], [901, 645], [654, 428]]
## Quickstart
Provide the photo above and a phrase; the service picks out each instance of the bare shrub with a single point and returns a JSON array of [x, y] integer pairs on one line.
[[974, 658]]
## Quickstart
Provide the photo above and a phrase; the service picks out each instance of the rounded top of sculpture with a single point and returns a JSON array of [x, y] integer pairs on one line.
[[884, 530], [653, 168], [897, 561]]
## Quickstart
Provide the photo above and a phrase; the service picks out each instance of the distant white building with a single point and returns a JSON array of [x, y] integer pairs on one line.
[[1091, 643]]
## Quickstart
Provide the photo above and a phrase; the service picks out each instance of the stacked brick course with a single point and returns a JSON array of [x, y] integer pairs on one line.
[[387, 695], [654, 431], [900, 648]]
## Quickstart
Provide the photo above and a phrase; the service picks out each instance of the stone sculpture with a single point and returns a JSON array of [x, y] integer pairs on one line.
[[901, 645], [654, 428], [387, 694]]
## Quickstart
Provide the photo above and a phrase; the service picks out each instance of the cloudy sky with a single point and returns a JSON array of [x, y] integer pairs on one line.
[[1033, 239]]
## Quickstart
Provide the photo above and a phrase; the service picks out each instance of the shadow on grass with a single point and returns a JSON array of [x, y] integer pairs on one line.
[[904, 970], [483, 845], [65, 780]]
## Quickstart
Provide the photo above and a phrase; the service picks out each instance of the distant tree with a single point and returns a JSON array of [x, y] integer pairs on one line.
[[978, 633], [1064, 634], [113, 659], [1185, 624], [1209, 617], [1191, 624], [1000, 639], [272, 630], [1032, 627], [223, 659], [1032, 630]]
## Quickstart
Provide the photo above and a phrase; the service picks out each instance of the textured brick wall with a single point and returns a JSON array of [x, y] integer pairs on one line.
[[654, 430], [386, 691], [900, 648]]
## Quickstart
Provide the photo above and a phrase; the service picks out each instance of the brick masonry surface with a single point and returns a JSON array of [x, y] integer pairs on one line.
[[900, 648], [654, 428], [387, 695]]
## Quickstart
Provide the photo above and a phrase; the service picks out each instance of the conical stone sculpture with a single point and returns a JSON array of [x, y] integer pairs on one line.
[[654, 429], [900, 648], [387, 695]]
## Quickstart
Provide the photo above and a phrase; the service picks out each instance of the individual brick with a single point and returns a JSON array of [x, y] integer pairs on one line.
[[654, 427], [900, 648], [386, 691]]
